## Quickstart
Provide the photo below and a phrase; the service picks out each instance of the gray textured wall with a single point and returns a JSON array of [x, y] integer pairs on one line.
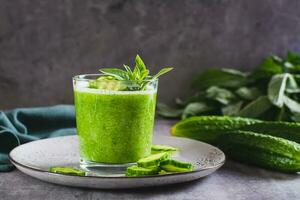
[[44, 43]]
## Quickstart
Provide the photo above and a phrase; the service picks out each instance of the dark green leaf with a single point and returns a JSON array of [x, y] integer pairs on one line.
[[180, 102], [248, 93], [256, 108], [221, 95], [232, 109], [293, 57], [165, 111], [220, 77], [267, 68], [296, 117], [196, 108]]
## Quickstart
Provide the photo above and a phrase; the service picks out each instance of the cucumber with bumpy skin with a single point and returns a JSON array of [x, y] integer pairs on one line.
[[208, 128], [261, 150], [153, 160], [67, 170], [141, 171], [176, 166], [286, 130]]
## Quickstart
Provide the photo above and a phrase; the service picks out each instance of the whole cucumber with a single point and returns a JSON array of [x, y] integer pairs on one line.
[[287, 130], [208, 128], [261, 150]]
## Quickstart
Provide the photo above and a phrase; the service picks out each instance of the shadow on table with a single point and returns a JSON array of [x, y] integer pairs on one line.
[[232, 168], [162, 189]]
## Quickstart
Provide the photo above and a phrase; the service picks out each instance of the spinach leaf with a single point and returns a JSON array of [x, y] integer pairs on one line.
[[267, 68], [167, 112], [293, 57], [276, 89], [196, 108], [256, 108], [292, 105], [221, 95], [220, 77], [248, 93], [232, 109]]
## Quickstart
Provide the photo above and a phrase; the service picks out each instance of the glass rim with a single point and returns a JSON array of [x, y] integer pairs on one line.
[[83, 77]]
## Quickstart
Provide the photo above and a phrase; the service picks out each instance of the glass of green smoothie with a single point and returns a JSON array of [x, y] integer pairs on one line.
[[115, 115]]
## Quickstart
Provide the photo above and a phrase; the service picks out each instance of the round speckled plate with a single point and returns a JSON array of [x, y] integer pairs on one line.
[[35, 158]]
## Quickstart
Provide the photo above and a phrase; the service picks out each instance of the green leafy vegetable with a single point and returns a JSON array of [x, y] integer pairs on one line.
[[195, 108], [270, 92], [221, 95], [256, 108], [168, 112], [219, 77]]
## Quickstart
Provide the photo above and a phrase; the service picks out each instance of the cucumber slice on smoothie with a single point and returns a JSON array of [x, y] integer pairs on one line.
[[176, 166], [163, 148], [141, 171], [107, 83], [153, 160], [67, 170]]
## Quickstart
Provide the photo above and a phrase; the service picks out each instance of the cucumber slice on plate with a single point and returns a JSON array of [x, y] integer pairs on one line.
[[141, 171], [162, 148], [176, 166], [67, 170], [153, 160]]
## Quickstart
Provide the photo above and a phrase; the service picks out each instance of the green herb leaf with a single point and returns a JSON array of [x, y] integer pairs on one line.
[[161, 72], [292, 105], [221, 95], [293, 57], [256, 108], [219, 77], [232, 109], [248, 93], [196, 108], [140, 74], [139, 63], [165, 111], [118, 74], [276, 89], [267, 68]]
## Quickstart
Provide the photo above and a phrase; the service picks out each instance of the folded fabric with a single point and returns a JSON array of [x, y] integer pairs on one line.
[[23, 125]]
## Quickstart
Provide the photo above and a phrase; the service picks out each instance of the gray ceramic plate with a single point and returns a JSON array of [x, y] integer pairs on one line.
[[35, 158]]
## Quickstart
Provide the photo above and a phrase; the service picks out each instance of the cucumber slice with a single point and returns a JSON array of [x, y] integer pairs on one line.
[[107, 83], [141, 171], [176, 166], [67, 170], [162, 172], [153, 160], [162, 148]]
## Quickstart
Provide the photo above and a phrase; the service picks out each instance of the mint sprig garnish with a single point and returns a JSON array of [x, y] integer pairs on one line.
[[139, 75]]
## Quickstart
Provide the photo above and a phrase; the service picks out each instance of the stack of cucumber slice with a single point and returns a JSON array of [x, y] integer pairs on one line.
[[160, 162]]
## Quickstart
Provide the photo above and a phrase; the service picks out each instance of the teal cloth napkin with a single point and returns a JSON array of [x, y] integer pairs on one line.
[[23, 125]]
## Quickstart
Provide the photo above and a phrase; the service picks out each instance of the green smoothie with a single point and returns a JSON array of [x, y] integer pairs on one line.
[[114, 126]]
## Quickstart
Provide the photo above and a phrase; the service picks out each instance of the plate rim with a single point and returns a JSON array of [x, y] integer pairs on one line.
[[217, 166]]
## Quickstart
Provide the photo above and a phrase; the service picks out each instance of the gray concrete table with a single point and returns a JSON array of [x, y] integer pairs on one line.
[[233, 181]]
